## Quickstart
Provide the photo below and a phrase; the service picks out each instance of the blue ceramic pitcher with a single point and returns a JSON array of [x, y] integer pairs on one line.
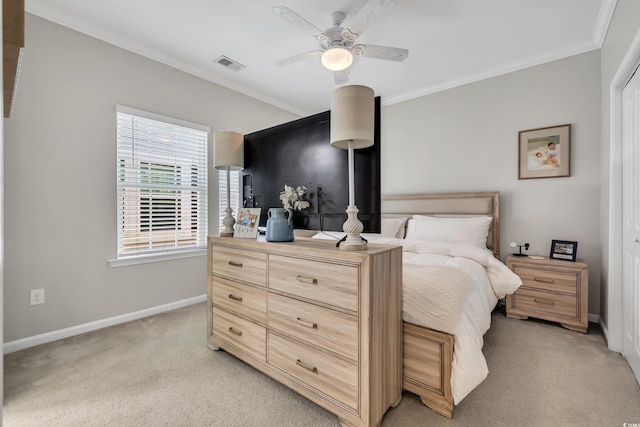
[[279, 225]]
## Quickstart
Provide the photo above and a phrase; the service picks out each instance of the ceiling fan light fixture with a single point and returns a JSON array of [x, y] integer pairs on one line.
[[337, 58]]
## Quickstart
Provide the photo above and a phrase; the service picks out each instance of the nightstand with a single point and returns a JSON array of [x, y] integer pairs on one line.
[[553, 290]]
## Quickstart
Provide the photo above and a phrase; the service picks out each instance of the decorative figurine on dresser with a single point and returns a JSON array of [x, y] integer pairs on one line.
[[324, 322], [554, 290]]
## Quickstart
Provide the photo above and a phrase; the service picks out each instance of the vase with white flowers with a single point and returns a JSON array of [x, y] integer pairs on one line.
[[280, 220]]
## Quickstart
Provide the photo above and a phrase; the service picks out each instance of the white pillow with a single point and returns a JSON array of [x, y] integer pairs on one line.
[[393, 227], [469, 230]]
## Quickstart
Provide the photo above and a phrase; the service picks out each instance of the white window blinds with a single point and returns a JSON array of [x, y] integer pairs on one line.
[[161, 182]]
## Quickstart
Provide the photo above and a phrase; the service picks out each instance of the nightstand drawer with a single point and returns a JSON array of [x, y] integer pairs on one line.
[[237, 264], [333, 330], [327, 283], [240, 299], [545, 302], [557, 281], [329, 374], [245, 335]]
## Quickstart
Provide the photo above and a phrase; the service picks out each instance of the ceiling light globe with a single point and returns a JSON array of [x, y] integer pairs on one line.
[[337, 58]]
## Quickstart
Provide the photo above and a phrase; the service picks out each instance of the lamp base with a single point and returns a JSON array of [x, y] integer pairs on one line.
[[353, 227], [228, 221], [359, 247]]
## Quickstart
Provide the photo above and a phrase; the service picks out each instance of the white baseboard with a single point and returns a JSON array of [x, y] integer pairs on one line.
[[23, 343], [605, 331]]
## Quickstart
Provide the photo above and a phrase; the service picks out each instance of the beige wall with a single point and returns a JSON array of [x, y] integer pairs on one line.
[[60, 177], [623, 28], [60, 146], [466, 139]]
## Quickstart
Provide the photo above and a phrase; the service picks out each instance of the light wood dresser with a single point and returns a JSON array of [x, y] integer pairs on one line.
[[324, 322], [551, 289]]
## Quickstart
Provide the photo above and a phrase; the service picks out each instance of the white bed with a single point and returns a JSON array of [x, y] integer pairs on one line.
[[452, 280]]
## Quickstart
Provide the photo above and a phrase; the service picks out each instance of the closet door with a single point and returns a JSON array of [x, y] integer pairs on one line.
[[631, 224]]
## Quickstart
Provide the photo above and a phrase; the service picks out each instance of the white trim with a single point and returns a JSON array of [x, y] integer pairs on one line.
[[23, 343], [604, 20], [614, 263], [594, 318], [49, 13], [605, 331], [145, 259], [521, 64], [161, 118]]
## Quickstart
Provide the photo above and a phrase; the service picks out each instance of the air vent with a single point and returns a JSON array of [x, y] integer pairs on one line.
[[229, 63]]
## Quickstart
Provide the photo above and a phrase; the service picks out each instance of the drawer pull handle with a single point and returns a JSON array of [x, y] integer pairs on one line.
[[235, 264], [307, 367], [233, 331], [543, 280], [312, 325], [235, 298], [543, 301], [308, 280]]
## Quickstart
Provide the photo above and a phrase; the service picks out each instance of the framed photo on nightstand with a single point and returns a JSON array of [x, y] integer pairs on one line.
[[564, 249]]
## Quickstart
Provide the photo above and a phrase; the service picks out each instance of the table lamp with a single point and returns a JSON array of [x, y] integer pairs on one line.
[[229, 156], [352, 128]]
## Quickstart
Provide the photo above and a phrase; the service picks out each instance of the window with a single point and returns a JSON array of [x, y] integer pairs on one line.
[[222, 194], [162, 184]]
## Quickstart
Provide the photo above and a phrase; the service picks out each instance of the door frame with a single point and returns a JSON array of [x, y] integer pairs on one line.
[[613, 330]]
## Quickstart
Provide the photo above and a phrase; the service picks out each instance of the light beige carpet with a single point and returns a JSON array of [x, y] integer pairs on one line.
[[158, 371]]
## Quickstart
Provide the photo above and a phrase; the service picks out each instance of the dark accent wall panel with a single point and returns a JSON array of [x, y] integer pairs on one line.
[[299, 153]]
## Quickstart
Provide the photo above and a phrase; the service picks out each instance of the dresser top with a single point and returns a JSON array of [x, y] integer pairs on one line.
[[302, 246]]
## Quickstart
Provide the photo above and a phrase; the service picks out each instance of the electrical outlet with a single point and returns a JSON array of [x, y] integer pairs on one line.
[[37, 296]]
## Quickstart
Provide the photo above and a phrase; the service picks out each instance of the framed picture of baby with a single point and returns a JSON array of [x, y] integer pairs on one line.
[[544, 152]]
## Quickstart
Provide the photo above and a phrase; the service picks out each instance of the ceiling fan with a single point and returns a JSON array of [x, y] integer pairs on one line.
[[338, 44]]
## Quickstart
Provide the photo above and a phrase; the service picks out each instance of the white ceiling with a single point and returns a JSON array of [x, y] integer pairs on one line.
[[450, 42]]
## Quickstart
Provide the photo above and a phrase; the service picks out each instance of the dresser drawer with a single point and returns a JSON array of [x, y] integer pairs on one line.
[[245, 335], [328, 283], [322, 371], [547, 279], [240, 299], [237, 264], [545, 302], [333, 330]]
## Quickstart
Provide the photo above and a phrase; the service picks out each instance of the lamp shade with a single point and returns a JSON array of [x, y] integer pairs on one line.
[[228, 150], [352, 117], [336, 58]]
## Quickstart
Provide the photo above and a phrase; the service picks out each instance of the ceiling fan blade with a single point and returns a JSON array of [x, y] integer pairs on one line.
[[341, 77], [363, 18], [299, 57], [297, 20], [381, 52]]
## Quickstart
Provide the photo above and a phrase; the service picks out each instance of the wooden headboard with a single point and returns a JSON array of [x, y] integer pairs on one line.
[[449, 204]]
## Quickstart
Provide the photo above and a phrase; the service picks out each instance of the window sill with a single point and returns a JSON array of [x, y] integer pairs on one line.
[[145, 259]]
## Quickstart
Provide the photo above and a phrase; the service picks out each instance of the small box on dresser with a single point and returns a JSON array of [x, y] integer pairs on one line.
[[324, 322], [553, 290]]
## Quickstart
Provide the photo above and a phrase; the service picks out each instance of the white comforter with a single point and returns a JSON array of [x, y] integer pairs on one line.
[[453, 288]]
